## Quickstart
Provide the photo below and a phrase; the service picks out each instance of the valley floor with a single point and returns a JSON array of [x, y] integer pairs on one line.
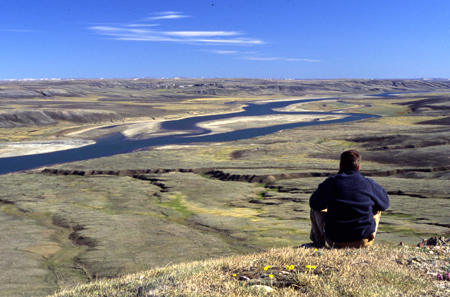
[[73, 223]]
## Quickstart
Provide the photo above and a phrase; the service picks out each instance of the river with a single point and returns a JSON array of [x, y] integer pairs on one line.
[[118, 144]]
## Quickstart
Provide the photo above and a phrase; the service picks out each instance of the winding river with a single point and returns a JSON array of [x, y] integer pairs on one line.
[[118, 144]]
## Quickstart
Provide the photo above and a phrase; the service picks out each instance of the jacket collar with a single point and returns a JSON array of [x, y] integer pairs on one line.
[[349, 172]]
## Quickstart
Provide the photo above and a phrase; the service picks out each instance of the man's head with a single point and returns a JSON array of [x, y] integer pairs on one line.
[[350, 161]]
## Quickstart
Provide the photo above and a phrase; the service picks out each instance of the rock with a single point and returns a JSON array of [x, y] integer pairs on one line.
[[266, 288], [432, 241]]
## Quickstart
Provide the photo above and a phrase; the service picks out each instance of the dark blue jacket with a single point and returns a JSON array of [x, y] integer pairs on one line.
[[351, 200]]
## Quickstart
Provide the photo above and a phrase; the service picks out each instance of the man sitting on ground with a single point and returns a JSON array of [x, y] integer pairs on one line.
[[346, 208]]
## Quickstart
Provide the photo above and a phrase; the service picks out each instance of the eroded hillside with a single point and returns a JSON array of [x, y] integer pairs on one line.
[[75, 222]]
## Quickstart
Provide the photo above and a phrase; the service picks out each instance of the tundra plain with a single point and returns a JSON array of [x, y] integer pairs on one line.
[[77, 222]]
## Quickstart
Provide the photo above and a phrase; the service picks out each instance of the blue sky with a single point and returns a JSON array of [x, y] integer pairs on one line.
[[303, 39]]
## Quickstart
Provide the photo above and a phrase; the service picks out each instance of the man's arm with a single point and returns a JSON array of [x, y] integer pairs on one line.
[[319, 199], [380, 196]]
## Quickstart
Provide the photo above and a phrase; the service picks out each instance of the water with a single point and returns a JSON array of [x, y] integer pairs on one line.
[[118, 144]]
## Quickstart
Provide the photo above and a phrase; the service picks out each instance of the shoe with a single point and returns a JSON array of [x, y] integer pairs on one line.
[[308, 245]]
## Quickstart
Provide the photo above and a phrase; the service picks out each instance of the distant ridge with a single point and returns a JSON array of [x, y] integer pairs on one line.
[[145, 78]]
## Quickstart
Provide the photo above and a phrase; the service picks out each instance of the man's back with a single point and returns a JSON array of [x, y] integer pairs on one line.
[[346, 208], [351, 201]]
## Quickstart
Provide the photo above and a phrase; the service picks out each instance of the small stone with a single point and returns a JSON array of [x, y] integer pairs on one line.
[[266, 288], [244, 278]]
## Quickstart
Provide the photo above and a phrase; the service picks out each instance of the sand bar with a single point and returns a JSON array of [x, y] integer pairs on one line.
[[237, 123], [14, 149]]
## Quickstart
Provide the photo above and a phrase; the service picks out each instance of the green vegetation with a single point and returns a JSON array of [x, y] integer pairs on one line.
[[261, 194], [368, 106], [177, 203], [325, 106]]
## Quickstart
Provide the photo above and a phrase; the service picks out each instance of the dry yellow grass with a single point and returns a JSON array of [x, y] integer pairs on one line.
[[377, 271], [406, 120], [33, 133]]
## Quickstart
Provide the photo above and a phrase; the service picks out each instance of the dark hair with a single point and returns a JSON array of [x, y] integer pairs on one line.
[[350, 160]]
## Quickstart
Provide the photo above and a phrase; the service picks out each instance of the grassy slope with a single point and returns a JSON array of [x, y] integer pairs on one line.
[[380, 271]]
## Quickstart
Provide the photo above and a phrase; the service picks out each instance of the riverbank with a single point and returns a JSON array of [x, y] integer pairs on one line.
[[149, 130], [76, 137], [254, 120]]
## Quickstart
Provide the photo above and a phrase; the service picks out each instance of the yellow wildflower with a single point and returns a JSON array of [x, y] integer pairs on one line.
[[290, 267]]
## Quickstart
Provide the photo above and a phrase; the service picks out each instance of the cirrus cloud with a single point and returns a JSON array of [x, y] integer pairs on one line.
[[254, 56], [140, 31], [144, 30], [201, 33], [165, 15]]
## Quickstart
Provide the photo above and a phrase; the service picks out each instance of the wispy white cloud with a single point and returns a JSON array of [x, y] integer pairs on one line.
[[235, 41], [219, 52], [141, 32], [167, 15], [144, 30], [141, 25], [135, 33], [201, 33], [254, 56]]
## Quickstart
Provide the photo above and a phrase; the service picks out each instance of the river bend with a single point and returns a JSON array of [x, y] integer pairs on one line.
[[118, 144]]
